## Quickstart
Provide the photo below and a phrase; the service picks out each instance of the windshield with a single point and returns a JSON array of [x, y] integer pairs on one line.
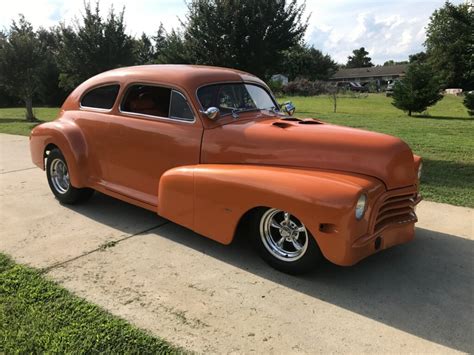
[[231, 98]]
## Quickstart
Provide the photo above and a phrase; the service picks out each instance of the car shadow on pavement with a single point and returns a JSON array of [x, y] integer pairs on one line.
[[114, 213], [424, 288]]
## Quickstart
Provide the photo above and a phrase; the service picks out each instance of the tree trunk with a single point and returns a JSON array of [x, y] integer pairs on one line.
[[409, 113], [30, 117]]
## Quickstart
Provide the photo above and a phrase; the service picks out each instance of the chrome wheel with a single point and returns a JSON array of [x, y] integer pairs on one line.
[[283, 235], [59, 176]]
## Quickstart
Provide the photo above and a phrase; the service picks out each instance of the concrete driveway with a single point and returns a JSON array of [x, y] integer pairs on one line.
[[212, 298]]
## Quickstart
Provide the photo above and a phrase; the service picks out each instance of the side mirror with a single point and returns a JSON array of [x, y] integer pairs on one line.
[[288, 107], [211, 113]]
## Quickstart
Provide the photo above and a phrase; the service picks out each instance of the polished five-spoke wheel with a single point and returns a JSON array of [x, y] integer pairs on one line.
[[284, 236], [60, 176], [284, 241], [59, 180]]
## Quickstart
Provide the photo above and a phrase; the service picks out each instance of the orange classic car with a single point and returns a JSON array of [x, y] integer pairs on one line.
[[212, 150]]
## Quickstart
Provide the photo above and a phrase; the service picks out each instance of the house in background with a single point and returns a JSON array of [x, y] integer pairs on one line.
[[282, 79], [380, 74]]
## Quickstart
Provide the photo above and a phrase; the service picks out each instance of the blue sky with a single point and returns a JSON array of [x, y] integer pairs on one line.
[[387, 29]]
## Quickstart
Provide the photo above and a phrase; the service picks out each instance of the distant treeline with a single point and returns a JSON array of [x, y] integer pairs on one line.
[[262, 38], [42, 66]]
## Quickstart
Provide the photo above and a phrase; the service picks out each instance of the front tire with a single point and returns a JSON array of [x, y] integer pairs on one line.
[[57, 173], [284, 242]]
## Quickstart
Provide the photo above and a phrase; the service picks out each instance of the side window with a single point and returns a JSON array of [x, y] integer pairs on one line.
[[102, 97], [147, 100], [179, 107]]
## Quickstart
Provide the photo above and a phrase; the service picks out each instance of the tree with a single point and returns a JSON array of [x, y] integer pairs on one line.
[[248, 35], [359, 59], [420, 57], [144, 50], [174, 50], [160, 39], [49, 92], [301, 61], [417, 90], [469, 103], [393, 62], [21, 61], [94, 46], [450, 45]]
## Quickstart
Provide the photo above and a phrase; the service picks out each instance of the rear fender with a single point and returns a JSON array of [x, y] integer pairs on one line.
[[68, 138]]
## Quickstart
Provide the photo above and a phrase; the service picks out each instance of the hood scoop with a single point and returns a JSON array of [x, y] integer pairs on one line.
[[282, 124], [309, 122], [294, 119], [291, 119]]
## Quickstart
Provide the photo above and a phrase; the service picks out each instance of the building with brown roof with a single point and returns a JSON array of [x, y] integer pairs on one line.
[[371, 74]]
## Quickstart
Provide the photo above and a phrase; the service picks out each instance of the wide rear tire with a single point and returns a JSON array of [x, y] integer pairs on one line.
[[57, 173]]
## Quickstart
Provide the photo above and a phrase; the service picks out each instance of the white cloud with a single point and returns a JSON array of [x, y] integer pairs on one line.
[[387, 29], [140, 15]]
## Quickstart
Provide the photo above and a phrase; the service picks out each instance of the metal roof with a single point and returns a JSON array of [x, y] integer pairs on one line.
[[369, 72]]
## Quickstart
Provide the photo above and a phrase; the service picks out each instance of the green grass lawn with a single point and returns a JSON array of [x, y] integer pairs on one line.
[[12, 120], [38, 316], [443, 136]]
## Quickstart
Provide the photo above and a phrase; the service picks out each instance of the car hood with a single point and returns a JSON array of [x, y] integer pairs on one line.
[[310, 144]]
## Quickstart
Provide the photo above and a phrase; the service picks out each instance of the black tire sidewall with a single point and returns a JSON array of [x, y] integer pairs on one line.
[[72, 195]]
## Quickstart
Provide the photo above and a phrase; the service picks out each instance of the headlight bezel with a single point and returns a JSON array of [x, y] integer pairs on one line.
[[361, 206]]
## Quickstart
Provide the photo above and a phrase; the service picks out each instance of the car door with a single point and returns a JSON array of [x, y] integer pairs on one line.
[[155, 130], [93, 119]]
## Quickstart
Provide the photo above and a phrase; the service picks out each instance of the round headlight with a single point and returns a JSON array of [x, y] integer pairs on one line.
[[360, 207], [419, 170]]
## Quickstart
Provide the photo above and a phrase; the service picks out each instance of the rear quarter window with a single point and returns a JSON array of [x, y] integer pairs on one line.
[[102, 97]]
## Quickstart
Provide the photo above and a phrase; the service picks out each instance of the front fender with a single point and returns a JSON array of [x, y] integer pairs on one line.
[[67, 136], [211, 199]]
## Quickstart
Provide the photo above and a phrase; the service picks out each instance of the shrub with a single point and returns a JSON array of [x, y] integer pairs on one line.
[[418, 89], [304, 87], [469, 102], [276, 87]]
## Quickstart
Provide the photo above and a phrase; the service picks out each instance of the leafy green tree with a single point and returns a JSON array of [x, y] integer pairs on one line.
[[359, 59], [450, 44], [248, 35], [5, 98], [393, 62], [21, 62], [144, 50], [174, 50], [93, 46], [417, 90], [469, 103], [420, 57], [302, 61], [160, 39], [49, 92]]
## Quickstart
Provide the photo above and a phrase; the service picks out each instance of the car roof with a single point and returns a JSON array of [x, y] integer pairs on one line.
[[189, 77]]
